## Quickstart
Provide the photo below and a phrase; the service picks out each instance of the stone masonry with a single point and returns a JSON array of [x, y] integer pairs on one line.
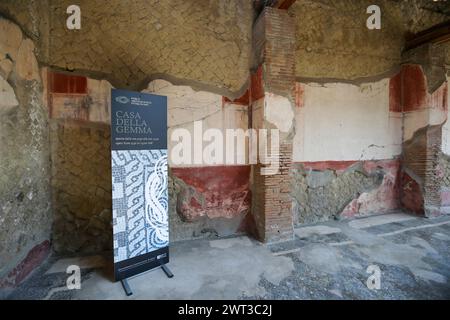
[[323, 195], [25, 203]]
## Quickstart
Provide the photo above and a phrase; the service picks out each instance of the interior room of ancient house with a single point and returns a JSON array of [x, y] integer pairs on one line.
[[359, 97]]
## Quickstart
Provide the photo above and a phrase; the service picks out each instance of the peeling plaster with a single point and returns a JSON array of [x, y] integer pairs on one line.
[[278, 111], [8, 98]]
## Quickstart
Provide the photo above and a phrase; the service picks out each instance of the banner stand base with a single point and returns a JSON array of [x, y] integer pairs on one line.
[[167, 271], [126, 285]]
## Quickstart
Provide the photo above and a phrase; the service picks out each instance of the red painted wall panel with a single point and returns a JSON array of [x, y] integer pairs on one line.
[[414, 88], [218, 191], [395, 93], [63, 83], [34, 258]]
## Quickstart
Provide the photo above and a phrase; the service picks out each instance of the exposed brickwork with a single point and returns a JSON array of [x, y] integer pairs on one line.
[[432, 185], [272, 202], [424, 113], [411, 195], [256, 85], [274, 45], [420, 161], [444, 175], [444, 163]]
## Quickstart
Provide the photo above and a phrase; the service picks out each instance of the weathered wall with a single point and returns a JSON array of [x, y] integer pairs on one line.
[[205, 200], [424, 115], [25, 205], [330, 191], [203, 42], [446, 126], [340, 122], [346, 138], [208, 200], [271, 107], [346, 149], [81, 185], [33, 18], [444, 155], [333, 41]]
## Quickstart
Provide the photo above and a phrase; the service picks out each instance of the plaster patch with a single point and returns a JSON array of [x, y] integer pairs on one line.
[[278, 111], [8, 98], [10, 44], [26, 65], [6, 66]]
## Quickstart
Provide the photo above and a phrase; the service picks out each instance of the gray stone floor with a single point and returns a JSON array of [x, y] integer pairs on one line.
[[325, 261]]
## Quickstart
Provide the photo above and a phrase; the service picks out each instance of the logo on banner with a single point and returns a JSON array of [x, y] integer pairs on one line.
[[122, 99]]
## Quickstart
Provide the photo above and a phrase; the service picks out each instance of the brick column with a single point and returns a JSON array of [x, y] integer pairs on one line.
[[272, 107], [424, 93]]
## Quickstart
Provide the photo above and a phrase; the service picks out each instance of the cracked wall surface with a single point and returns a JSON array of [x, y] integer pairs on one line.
[[25, 204], [208, 43], [130, 42], [199, 208], [339, 122], [205, 201], [333, 191], [81, 185], [333, 41], [425, 115]]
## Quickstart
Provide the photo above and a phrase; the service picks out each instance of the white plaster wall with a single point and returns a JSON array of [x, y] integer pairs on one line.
[[342, 122], [446, 127], [415, 120], [187, 106], [100, 93]]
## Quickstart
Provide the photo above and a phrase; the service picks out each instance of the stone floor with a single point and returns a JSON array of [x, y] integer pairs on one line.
[[325, 261]]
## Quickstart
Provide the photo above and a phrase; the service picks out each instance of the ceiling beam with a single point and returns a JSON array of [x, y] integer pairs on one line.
[[279, 4], [437, 34], [284, 4]]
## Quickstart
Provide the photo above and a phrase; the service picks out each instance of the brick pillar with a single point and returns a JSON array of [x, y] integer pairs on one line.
[[272, 107], [424, 93]]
